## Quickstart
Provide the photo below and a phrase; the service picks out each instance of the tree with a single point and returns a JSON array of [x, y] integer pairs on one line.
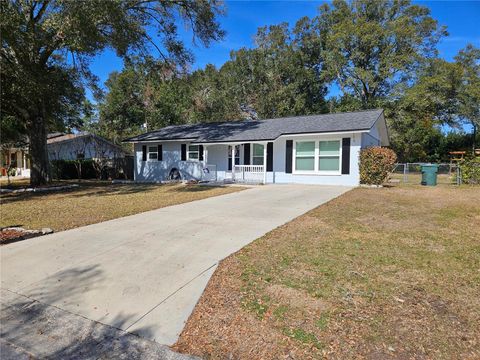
[[368, 46], [104, 155], [123, 111], [77, 149], [415, 113], [468, 97], [276, 78], [46, 46]]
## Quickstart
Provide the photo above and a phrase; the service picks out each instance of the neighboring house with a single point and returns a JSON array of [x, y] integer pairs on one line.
[[317, 149], [17, 158], [82, 145], [61, 146]]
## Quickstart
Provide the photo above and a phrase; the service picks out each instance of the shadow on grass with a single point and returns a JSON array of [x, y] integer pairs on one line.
[[84, 189], [105, 189], [46, 331], [25, 196], [122, 189], [195, 188]]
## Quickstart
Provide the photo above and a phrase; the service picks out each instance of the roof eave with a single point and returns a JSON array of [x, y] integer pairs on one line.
[[196, 141]]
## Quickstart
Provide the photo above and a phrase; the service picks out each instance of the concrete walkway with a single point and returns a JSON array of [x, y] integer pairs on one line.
[[144, 273]]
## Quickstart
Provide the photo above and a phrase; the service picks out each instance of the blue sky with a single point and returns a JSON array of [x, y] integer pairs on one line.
[[462, 19]]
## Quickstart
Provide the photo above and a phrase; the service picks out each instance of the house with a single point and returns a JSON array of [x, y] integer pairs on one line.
[[316, 149], [15, 158], [82, 145], [61, 146]]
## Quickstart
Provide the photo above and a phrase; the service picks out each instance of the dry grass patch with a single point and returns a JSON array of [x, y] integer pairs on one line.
[[375, 273], [14, 183], [95, 202]]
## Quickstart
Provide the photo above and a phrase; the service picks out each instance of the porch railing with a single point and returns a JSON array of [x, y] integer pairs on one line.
[[248, 173]]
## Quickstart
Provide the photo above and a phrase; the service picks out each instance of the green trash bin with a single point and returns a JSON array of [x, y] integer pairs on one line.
[[429, 174]]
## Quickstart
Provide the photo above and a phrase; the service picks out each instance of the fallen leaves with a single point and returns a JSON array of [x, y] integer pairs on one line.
[[383, 273]]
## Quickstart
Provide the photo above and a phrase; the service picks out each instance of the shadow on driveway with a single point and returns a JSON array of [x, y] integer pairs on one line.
[[30, 328]]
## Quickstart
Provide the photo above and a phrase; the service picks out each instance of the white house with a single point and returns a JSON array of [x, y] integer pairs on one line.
[[317, 149]]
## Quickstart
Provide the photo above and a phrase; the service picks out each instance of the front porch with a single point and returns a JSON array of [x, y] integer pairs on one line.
[[17, 161], [249, 165]]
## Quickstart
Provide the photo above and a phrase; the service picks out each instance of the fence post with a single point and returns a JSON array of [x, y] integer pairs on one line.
[[404, 173]]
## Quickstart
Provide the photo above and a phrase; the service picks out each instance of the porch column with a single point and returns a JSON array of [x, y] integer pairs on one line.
[[233, 161], [205, 154], [265, 163]]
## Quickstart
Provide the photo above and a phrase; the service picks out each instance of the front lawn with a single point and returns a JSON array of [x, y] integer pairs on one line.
[[376, 273], [94, 202]]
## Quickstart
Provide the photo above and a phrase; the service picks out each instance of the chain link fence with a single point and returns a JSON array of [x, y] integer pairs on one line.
[[411, 173]]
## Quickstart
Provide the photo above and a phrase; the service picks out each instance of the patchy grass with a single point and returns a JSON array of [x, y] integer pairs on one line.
[[375, 273], [415, 178], [94, 202], [15, 183]]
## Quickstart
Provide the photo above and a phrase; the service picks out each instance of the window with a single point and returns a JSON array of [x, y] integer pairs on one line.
[[237, 156], [80, 156], [318, 156], [152, 153], [257, 154], [305, 156], [193, 152], [329, 155]]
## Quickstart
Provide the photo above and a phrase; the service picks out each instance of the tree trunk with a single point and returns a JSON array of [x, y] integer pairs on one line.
[[474, 142], [40, 172]]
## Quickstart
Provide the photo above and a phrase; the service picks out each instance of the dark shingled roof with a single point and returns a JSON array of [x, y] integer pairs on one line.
[[269, 129]]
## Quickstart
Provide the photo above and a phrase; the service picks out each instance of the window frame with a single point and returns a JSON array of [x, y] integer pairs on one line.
[[252, 154], [152, 152], [229, 154], [193, 151], [317, 156], [315, 152], [330, 156]]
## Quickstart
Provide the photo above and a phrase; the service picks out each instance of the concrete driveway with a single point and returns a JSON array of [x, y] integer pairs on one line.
[[144, 273]]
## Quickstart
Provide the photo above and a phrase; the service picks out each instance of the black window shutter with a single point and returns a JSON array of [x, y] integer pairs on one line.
[[270, 156], [200, 152], [160, 153], [229, 164], [144, 152], [288, 156], [184, 152], [345, 156], [246, 154]]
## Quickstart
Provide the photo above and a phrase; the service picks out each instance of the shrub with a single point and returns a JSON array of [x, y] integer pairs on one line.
[[375, 164], [66, 169], [470, 171]]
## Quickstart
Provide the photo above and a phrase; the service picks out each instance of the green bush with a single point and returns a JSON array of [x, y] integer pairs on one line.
[[65, 169], [375, 164], [11, 171], [470, 171]]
